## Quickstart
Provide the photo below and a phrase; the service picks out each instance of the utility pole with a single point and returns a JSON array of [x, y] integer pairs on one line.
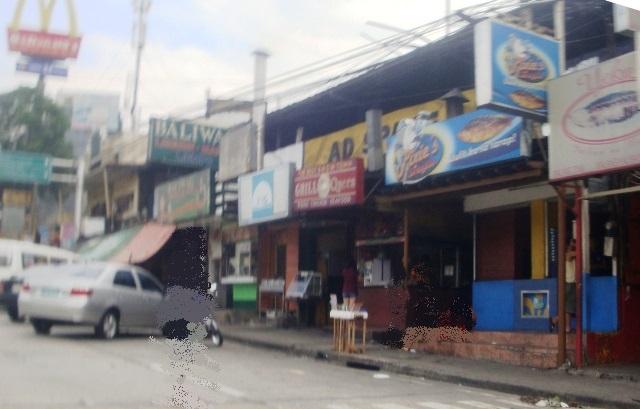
[[140, 8]]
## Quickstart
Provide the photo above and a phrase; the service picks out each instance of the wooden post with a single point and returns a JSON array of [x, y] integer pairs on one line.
[[405, 256], [562, 241]]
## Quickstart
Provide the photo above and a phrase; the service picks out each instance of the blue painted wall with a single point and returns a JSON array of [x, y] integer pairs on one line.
[[497, 305], [600, 304]]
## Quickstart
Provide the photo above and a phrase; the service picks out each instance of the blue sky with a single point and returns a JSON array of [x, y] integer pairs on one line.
[[199, 45]]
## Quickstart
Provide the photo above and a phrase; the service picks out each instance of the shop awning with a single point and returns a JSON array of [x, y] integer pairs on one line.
[[104, 247], [147, 242]]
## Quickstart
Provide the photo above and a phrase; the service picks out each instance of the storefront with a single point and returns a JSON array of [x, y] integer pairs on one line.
[[594, 153]]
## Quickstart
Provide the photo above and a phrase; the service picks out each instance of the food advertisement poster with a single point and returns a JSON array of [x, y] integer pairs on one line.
[[595, 120], [421, 148], [514, 66], [534, 304]]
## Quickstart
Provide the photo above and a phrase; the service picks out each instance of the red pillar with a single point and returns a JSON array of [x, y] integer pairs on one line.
[[579, 252]]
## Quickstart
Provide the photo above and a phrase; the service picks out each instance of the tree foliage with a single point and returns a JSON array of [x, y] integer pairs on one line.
[[32, 122]]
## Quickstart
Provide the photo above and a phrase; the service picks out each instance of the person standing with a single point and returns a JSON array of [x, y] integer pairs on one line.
[[570, 286], [350, 284]]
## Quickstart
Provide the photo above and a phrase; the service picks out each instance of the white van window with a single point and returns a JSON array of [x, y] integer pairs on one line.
[[5, 258], [56, 261], [29, 260]]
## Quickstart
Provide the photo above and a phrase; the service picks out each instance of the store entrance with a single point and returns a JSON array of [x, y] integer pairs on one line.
[[325, 251], [440, 265]]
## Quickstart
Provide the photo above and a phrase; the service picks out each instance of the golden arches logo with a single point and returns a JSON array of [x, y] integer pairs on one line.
[[42, 43]]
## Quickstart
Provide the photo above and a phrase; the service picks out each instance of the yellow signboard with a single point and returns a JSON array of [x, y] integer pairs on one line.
[[351, 142]]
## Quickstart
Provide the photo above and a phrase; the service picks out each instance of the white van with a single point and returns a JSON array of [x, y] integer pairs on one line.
[[16, 256]]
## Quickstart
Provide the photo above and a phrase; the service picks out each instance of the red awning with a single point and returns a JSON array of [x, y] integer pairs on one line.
[[147, 242]]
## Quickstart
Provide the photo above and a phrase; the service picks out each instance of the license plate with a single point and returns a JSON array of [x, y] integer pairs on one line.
[[49, 292], [15, 288]]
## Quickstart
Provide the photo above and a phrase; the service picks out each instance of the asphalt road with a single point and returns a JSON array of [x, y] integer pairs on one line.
[[70, 369]]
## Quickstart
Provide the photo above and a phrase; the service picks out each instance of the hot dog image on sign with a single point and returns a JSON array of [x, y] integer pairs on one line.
[[421, 148]]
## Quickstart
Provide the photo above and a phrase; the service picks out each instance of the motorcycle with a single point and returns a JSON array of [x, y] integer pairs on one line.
[[213, 330]]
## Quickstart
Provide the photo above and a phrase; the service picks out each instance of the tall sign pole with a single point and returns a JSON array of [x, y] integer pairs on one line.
[[141, 8]]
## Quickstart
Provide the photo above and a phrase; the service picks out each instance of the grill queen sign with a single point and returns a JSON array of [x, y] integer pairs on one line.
[[184, 143]]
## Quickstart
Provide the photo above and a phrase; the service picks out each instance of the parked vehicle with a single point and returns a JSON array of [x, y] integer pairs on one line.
[[213, 330], [17, 256], [107, 296]]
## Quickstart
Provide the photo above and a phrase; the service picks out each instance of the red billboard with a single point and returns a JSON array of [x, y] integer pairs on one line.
[[332, 185], [43, 44]]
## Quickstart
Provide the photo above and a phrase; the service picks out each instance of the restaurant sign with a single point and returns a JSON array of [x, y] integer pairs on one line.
[[184, 198], [420, 149], [332, 185], [595, 120], [184, 143], [513, 67]]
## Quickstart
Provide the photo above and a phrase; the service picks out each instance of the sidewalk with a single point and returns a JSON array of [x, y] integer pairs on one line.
[[589, 387]]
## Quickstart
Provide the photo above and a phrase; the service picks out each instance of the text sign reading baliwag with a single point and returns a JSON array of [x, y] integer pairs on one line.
[[332, 185], [595, 120], [184, 143], [513, 67], [420, 149]]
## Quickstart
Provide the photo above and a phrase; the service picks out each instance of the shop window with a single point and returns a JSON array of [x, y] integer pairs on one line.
[[228, 257], [98, 210], [281, 260]]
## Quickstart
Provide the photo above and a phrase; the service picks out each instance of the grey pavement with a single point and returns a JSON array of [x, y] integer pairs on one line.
[[70, 369], [586, 387]]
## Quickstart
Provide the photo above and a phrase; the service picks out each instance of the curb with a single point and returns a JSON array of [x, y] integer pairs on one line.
[[350, 360]]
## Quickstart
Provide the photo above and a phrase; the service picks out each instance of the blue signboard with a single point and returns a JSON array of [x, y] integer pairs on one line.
[[265, 195], [262, 188], [514, 66], [420, 149], [41, 66]]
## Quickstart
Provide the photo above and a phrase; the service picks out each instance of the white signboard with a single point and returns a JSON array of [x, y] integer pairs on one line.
[[289, 154], [595, 120], [237, 152], [265, 195]]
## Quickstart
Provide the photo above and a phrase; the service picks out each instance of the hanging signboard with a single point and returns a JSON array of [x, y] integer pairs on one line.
[[184, 198], [184, 143], [421, 149], [332, 185], [265, 195], [513, 67], [595, 120], [25, 167]]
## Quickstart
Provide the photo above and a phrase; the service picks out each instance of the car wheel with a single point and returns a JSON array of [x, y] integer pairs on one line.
[[108, 326], [41, 327]]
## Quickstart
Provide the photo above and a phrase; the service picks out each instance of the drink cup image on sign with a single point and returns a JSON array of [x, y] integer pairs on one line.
[[262, 196]]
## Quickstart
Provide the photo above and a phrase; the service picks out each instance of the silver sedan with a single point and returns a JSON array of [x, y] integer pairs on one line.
[[108, 296]]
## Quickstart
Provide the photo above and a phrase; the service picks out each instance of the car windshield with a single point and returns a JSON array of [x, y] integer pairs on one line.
[[5, 258]]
